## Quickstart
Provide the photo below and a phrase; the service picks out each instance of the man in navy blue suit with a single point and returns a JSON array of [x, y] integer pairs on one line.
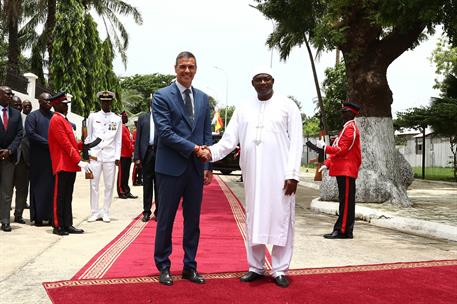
[[182, 118], [144, 156]]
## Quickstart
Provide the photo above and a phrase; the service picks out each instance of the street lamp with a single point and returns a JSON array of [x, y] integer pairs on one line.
[[226, 94]]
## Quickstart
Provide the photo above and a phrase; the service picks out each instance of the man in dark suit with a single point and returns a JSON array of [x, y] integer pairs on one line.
[[22, 168], [10, 138], [182, 119], [144, 156]]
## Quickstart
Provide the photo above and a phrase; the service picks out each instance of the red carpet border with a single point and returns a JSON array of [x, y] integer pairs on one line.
[[221, 248], [416, 282]]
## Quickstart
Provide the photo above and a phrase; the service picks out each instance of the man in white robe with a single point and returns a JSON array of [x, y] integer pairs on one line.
[[268, 129]]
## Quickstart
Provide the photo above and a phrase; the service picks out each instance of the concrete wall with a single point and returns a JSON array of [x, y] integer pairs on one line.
[[30, 96]]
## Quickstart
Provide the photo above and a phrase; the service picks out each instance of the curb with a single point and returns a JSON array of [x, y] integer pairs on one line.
[[388, 220]]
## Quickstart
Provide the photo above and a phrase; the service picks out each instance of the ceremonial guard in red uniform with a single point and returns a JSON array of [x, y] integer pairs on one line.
[[66, 161], [344, 162], [127, 147]]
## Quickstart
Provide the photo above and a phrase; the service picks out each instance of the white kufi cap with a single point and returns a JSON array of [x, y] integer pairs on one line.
[[263, 69]]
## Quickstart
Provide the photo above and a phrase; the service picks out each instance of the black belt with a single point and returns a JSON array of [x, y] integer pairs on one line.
[[151, 147]]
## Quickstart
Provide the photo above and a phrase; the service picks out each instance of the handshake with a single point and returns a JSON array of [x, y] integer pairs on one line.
[[203, 153]]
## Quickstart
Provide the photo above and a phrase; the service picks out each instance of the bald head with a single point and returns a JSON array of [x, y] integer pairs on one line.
[[6, 96], [43, 100], [26, 107], [17, 103]]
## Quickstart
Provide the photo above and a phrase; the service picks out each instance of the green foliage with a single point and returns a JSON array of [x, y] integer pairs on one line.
[[94, 64], [442, 116], [335, 92], [229, 110], [67, 71], [144, 86], [82, 64], [413, 118], [445, 59], [311, 126], [109, 80], [435, 173], [109, 12]]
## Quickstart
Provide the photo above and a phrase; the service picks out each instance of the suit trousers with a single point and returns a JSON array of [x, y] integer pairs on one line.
[[21, 184], [346, 197], [149, 182], [137, 175], [6, 189], [108, 169], [189, 187], [123, 176], [63, 196]]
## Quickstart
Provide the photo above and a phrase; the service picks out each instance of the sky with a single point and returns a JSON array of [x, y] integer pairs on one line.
[[228, 41]]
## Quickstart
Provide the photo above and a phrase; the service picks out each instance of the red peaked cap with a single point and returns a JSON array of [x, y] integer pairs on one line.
[[58, 99], [351, 106]]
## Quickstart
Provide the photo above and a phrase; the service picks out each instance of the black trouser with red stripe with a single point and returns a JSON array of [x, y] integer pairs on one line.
[[346, 196], [123, 176], [63, 196]]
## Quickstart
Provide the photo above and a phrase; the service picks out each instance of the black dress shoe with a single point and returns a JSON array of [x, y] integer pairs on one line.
[[193, 276], [6, 227], [74, 230], [250, 276], [154, 218], [336, 235], [130, 195], [282, 281], [165, 277], [59, 231], [19, 219], [39, 223], [145, 218]]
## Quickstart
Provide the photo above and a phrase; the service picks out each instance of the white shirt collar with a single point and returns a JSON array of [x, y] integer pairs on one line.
[[183, 88]]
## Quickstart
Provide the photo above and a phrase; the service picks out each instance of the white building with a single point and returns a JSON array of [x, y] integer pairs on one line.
[[437, 149]]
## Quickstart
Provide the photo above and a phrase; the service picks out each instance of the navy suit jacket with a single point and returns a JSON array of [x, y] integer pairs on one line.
[[177, 134], [11, 138], [142, 136]]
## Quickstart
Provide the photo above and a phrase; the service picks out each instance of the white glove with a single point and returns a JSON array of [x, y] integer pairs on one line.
[[85, 166], [321, 143], [322, 168]]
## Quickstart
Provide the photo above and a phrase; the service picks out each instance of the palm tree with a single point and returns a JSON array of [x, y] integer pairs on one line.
[[108, 10], [44, 12]]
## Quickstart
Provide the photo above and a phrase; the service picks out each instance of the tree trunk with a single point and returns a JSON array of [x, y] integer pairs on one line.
[[49, 29], [13, 40], [316, 84], [385, 174]]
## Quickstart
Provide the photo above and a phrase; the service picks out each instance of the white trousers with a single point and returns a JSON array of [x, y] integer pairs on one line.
[[108, 169], [280, 255]]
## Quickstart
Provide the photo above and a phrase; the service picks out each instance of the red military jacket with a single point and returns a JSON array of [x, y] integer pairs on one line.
[[127, 143], [62, 145], [344, 155]]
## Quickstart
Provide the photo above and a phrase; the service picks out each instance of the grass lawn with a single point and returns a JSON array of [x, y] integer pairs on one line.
[[435, 173]]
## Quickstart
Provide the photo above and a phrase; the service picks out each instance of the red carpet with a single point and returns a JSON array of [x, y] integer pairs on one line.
[[221, 247], [421, 282]]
